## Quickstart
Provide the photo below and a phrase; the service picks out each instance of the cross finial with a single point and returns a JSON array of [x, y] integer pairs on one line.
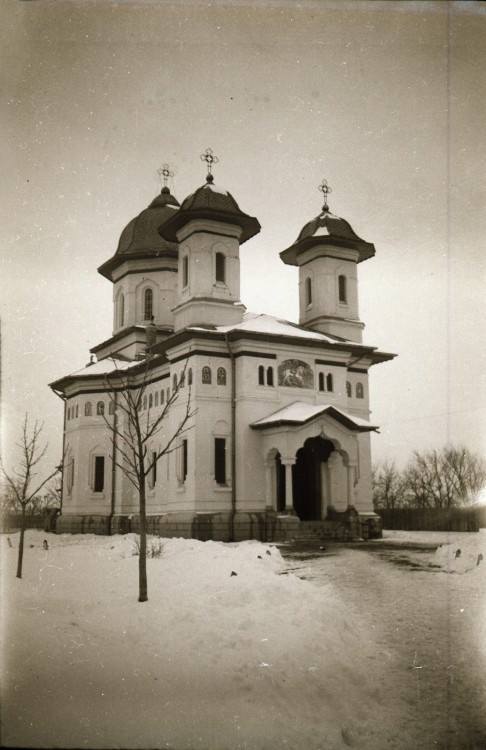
[[325, 190], [210, 159], [164, 172]]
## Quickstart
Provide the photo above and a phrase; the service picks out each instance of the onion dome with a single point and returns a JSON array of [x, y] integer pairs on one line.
[[141, 238], [213, 203], [327, 229]]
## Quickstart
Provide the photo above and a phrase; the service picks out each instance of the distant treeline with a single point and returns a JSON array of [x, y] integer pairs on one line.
[[433, 519]]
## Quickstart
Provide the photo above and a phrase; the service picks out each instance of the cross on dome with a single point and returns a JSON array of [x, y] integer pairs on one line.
[[210, 159], [164, 172], [325, 190]]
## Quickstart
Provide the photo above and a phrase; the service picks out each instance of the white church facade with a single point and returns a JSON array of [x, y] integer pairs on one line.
[[278, 444]]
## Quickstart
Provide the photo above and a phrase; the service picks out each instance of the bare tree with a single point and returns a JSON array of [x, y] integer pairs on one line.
[[134, 426], [20, 481], [388, 485], [445, 478]]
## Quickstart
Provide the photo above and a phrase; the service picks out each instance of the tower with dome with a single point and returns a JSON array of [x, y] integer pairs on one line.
[[279, 440]]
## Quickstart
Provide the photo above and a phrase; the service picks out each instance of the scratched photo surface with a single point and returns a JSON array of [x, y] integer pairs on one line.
[[371, 112]]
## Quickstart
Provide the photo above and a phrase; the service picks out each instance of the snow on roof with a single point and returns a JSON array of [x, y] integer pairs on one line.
[[261, 323], [299, 412], [104, 366]]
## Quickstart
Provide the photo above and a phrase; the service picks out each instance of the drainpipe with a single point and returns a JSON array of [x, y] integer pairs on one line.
[[113, 468], [233, 440]]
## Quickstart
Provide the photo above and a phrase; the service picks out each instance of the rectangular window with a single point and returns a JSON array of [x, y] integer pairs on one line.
[[185, 271], [153, 470], [220, 460], [99, 473], [184, 460], [220, 270]]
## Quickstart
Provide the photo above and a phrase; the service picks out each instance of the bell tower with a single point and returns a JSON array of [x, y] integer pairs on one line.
[[209, 229], [327, 252]]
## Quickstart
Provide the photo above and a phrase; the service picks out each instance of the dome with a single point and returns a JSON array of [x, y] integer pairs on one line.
[[327, 229], [214, 203], [141, 237]]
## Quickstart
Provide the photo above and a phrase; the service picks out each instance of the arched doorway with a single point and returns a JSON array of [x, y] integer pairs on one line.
[[307, 478]]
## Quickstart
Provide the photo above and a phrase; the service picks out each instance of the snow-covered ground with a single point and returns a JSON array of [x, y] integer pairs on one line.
[[214, 660]]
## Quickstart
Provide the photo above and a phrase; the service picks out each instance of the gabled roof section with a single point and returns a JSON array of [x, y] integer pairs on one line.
[[141, 238], [300, 413], [327, 229], [214, 203]]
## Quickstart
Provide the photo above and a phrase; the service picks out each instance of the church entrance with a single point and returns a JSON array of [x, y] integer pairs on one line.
[[307, 478]]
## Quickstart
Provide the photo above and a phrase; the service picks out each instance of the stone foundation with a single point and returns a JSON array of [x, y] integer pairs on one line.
[[221, 527]]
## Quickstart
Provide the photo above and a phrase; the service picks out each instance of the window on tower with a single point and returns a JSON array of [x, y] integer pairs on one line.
[[121, 310], [148, 304], [308, 292], [348, 389], [342, 289], [220, 267], [185, 271], [359, 390]]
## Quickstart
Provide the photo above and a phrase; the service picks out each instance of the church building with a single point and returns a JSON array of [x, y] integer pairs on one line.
[[278, 442]]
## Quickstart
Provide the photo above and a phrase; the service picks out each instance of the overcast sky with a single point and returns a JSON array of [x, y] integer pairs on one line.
[[384, 100]]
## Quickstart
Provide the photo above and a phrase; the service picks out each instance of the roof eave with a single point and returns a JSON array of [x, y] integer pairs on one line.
[[290, 254], [249, 225]]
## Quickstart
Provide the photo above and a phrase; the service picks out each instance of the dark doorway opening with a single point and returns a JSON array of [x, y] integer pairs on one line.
[[306, 478]]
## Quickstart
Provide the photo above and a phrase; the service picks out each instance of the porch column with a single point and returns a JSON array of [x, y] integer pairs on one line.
[[331, 470], [289, 492], [269, 494], [351, 477]]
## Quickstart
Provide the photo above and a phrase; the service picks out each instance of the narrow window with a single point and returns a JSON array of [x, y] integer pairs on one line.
[[185, 271], [184, 460], [220, 460], [121, 310], [168, 394], [156, 398], [77, 411], [342, 289], [329, 382], [111, 407], [269, 375], [88, 409], [100, 408], [162, 396], [144, 402], [348, 389], [151, 401], [220, 267], [359, 390], [189, 376], [308, 292], [148, 304], [174, 383], [221, 376], [206, 375], [261, 375], [153, 470], [70, 476], [321, 381], [99, 473]]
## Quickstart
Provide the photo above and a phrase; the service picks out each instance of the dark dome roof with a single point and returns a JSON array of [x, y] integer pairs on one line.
[[141, 236], [327, 229], [210, 202]]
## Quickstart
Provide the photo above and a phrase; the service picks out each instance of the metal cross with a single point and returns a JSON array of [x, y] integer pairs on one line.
[[209, 158], [325, 190], [165, 173]]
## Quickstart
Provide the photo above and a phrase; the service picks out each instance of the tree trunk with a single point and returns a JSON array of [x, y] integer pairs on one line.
[[142, 562], [21, 542]]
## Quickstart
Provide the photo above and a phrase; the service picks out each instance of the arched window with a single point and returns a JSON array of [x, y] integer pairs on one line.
[[70, 474], [321, 381], [148, 304], [342, 291], [69, 413], [189, 376], [206, 375], [100, 408], [168, 394], [308, 291], [151, 401], [329, 382], [220, 267], [156, 398], [359, 390], [174, 383], [88, 409], [121, 310], [77, 410], [261, 375], [221, 376], [348, 389], [162, 396], [144, 402], [111, 407], [269, 375], [185, 271]]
